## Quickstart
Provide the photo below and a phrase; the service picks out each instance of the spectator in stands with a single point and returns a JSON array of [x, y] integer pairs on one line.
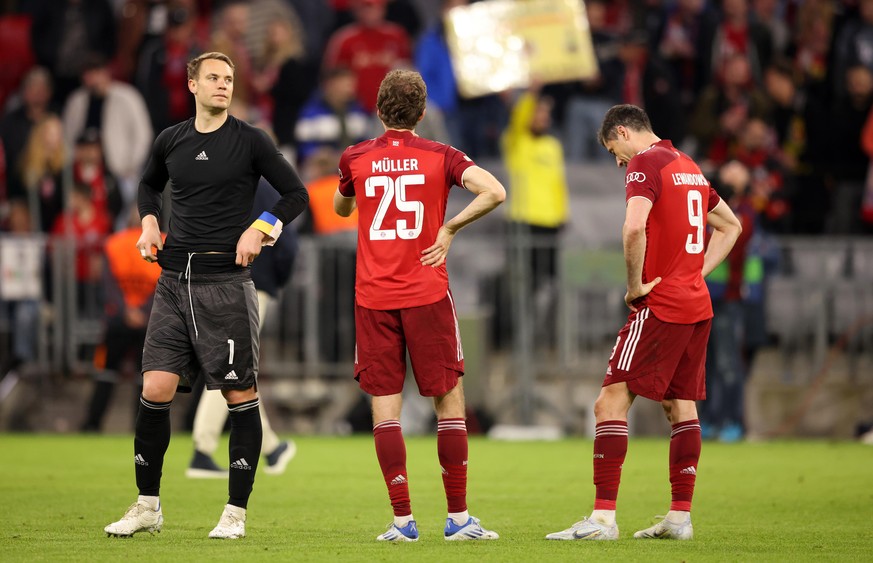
[[333, 117], [285, 80], [404, 13], [722, 412], [538, 197], [731, 32], [229, 37], [85, 226], [811, 48], [337, 254], [801, 124], [647, 81], [37, 177], [771, 14], [161, 75], [847, 157], [65, 32], [118, 111], [129, 284], [34, 105], [680, 43], [317, 18], [22, 304], [433, 61], [770, 186], [89, 168], [370, 47], [853, 47], [725, 105], [590, 99]]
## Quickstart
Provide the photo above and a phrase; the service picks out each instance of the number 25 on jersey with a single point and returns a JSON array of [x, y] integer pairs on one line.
[[394, 193]]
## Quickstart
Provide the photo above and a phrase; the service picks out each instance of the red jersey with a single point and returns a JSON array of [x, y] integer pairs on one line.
[[370, 52], [675, 231], [401, 183]]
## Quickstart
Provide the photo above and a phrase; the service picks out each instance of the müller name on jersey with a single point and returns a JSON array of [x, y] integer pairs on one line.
[[395, 164], [686, 179]]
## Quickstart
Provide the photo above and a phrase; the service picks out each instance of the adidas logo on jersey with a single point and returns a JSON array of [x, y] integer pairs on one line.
[[399, 480], [139, 460], [690, 470], [201, 156], [231, 375], [241, 463]]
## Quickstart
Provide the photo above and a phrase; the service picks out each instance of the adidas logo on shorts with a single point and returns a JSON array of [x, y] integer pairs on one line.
[[231, 375]]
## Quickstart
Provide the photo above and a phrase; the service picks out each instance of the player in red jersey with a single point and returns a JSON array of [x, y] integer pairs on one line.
[[660, 352], [399, 183]]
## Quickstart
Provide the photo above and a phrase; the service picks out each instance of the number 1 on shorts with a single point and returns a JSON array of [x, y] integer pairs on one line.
[[230, 345]]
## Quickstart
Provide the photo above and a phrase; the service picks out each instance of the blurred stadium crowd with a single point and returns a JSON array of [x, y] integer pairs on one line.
[[772, 97]]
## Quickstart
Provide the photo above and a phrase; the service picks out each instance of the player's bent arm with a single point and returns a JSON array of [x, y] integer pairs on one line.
[[633, 236], [342, 205], [726, 231], [489, 194]]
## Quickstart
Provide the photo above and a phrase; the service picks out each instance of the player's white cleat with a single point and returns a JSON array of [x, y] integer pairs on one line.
[[232, 524], [586, 529], [140, 517], [667, 530], [470, 530], [409, 532]]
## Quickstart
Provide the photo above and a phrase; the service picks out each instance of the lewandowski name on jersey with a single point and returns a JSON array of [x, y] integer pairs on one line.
[[395, 165], [686, 179]]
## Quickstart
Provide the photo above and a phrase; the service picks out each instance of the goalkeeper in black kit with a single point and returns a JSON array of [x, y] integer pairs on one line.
[[204, 322]]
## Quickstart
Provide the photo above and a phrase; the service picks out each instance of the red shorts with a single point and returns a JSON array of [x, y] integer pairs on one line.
[[660, 360], [431, 335]]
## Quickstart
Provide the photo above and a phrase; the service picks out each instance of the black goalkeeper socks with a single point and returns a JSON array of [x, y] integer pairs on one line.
[[245, 450], [150, 445]]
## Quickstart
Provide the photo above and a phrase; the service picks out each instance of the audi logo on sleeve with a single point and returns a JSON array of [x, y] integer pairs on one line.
[[635, 177]]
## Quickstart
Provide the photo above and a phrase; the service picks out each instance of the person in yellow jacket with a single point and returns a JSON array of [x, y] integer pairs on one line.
[[537, 198]]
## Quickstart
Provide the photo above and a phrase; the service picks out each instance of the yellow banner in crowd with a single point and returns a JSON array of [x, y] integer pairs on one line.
[[501, 44]]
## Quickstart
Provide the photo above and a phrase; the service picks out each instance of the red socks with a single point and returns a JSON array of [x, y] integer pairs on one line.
[[391, 451], [684, 456], [610, 449], [452, 452]]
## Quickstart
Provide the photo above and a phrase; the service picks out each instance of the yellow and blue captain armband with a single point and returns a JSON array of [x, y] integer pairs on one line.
[[270, 225]]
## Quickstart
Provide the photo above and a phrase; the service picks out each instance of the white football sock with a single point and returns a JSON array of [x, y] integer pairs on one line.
[[152, 502], [605, 517], [459, 518]]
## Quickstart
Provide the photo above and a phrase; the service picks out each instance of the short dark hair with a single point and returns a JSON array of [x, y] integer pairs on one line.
[[628, 115], [401, 99], [194, 64]]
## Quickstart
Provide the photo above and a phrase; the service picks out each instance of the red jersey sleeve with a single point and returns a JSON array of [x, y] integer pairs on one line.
[[713, 199], [643, 178], [456, 163], [346, 184]]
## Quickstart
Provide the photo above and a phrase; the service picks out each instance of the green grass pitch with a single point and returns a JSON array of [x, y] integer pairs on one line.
[[780, 501]]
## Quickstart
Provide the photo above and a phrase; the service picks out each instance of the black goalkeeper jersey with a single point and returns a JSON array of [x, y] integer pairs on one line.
[[213, 178]]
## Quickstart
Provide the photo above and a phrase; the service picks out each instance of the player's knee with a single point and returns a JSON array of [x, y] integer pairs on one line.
[[235, 396], [668, 410]]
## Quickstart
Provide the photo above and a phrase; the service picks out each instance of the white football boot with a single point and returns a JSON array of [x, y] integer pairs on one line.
[[140, 517], [667, 530], [586, 529], [232, 524]]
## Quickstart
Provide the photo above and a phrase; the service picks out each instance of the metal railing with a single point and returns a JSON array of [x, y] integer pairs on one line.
[[557, 323]]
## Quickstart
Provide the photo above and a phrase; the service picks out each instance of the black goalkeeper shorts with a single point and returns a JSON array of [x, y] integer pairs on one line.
[[208, 326]]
